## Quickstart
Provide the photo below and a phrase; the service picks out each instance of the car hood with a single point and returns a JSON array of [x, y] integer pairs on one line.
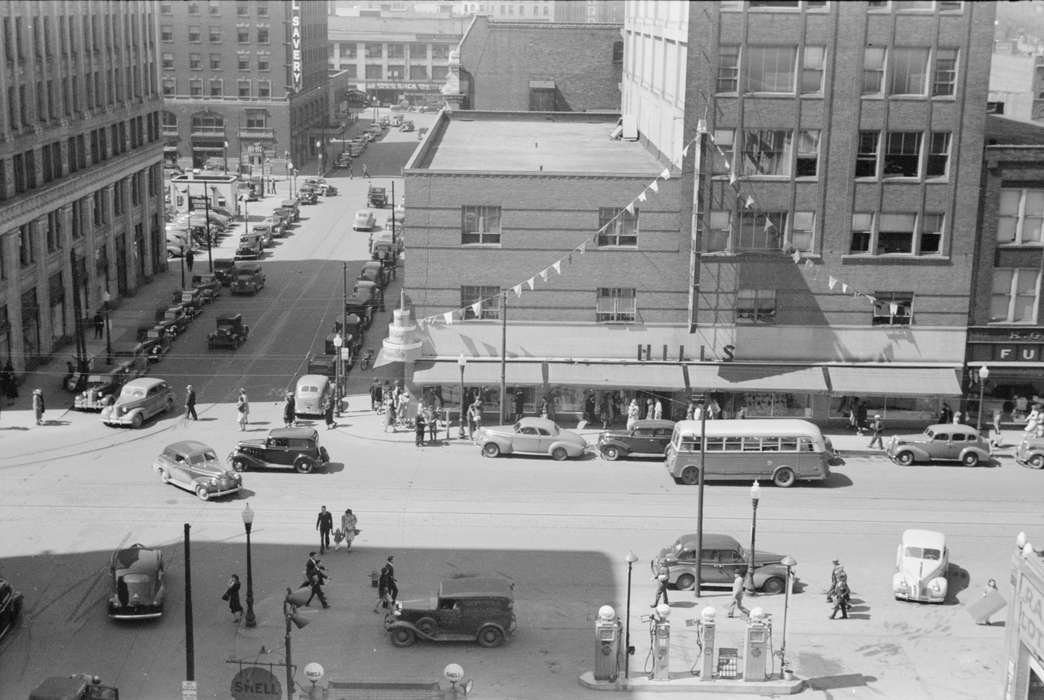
[[914, 570], [251, 443], [909, 438]]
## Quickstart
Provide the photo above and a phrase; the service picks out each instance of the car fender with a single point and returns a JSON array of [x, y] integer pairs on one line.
[[919, 453], [506, 445], [250, 460], [571, 449], [403, 624], [618, 444], [984, 456]]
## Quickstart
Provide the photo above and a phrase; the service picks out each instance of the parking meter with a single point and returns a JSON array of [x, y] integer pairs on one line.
[[707, 627], [756, 654], [660, 631], [607, 645]]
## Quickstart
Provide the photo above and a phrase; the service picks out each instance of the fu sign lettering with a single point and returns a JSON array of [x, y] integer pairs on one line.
[[295, 43]]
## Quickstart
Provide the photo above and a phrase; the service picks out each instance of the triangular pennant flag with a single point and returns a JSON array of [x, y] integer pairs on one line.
[[844, 288], [732, 178], [558, 266], [831, 281], [873, 300], [769, 226], [630, 208], [666, 174], [685, 151], [543, 273], [517, 289], [654, 186], [531, 282], [893, 308], [476, 308], [721, 152], [796, 256], [448, 318], [581, 248], [642, 197], [750, 202]]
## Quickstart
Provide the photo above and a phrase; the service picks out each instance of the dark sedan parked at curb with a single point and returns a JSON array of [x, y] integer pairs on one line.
[[195, 467], [943, 442], [538, 436], [648, 438], [10, 607], [467, 609], [723, 558], [297, 448], [138, 587], [1030, 453]]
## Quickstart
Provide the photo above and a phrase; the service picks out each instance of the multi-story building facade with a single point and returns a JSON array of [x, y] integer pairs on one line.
[[81, 196], [513, 11], [243, 82], [395, 56], [832, 216], [569, 67]]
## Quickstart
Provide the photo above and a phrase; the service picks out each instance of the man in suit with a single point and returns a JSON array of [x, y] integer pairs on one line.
[[388, 572], [315, 572], [190, 403], [324, 524]]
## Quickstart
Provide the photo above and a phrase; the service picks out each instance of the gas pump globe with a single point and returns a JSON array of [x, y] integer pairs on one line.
[[607, 645], [756, 656]]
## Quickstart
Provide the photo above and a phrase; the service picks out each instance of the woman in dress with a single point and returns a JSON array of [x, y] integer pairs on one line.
[[232, 596], [349, 525], [242, 409]]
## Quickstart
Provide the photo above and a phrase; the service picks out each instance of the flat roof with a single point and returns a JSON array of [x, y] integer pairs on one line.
[[537, 142]]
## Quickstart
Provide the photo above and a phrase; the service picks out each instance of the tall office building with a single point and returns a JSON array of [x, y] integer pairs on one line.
[[81, 201], [243, 82]]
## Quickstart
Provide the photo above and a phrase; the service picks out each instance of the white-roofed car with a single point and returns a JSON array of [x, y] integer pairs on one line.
[[364, 221], [921, 563], [530, 436]]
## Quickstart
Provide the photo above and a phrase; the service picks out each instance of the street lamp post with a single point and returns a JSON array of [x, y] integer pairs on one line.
[[984, 374], [106, 298], [631, 559], [462, 362], [755, 491], [319, 152], [248, 524], [789, 562], [338, 341], [291, 616], [225, 152], [290, 177]]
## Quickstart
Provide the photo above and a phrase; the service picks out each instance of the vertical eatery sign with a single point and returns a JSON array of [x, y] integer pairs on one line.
[[295, 43]]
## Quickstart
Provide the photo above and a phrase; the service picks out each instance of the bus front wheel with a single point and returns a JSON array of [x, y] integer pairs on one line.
[[784, 478], [690, 475]]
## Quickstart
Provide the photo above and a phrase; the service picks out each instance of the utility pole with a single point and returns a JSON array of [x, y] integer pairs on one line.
[[190, 662], [503, 354]]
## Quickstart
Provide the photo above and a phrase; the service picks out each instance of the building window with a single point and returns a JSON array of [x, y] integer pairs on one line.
[[166, 8], [437, 72], [617, 227], [215, 61], [396, 72], [480, 225], [931, 234], [244, 88], [812, 70], [374, 50], [895, 233], [26, 252], [769, 69], [756, 306], [194, 34], [195, 61], [766, 152], [195, 87], [722, 159], [944, 79], [243, 34], [193, 7], [938, 154], [616, 305], [418, 72], [1021, 217], [264, 88], [54, 231], [902, 154], [862, 232], [761, 230], [257, 119], [728, 68], [440, 52], [802, 231], [893, 309], [216, 87], [490, 298], [873, 70], [166, 33], [717, 236], [808, 153], [348, 49], [167, 61], [262, 32], [396, 51], [866, 157], [1016, 294], [374, 72], [618, 52], [909, 70], [168, 87], [262, 8], [214, 34], [243, 60], [242, 10], [264, 61], [214, 8]]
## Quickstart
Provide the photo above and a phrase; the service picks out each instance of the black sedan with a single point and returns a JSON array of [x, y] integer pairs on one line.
[[646, 438], [10, 607]]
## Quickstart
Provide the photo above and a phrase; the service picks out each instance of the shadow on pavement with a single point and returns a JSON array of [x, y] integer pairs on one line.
[[850, 680]]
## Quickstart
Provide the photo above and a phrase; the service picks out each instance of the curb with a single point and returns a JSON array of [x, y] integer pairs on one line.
[[686, 683]]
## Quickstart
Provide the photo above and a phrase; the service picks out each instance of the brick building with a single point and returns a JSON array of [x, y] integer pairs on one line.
[[81, 197], [568, 67], [243, 82], [833, 225]]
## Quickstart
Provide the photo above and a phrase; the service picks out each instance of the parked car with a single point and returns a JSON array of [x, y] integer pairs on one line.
[[530, 436], [191, 300], [231, 332], [175, 320], [298, 448], [223, 270], [131, 363], [100, 388], [308, 196], [376, 197], [286, 216], [313, 394], [331, 191], [921, 564], [293, 205], [249, 278], [356, 147], [266, 230], [10, 607], [465, 609], [360, 307], [943, 442], [139, 400], [325, 365], [156, 341], [138, 586], [1030, 453], [251, 247], [371, 293], [81, 686], [407, 125], [723, 558], [373, 271], [195, 467], [208, 285], [364, 220], [648, 438]]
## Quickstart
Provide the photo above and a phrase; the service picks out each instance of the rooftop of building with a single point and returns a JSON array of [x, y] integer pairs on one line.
[[341, 27], [531, 142], [1001, 131]]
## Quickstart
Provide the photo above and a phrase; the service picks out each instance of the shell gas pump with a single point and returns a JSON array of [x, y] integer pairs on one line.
[[607, 645], [756, 646], [660, 642], [706, 634]]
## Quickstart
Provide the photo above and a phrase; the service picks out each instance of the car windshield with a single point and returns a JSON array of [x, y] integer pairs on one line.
[[132, 393], [927, 553], [203, 458]]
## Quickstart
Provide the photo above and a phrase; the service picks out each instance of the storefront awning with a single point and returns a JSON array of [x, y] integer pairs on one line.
[[475, 372], [894, 381], [608, 376], [740, 377]]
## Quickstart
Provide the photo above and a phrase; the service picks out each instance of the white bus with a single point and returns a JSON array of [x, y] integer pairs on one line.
[[781, 449]]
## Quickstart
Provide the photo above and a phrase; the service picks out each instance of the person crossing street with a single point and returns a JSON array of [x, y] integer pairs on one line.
[[324, 524]]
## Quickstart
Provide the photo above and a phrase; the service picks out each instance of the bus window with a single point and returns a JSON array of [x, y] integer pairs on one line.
[[788, 444], [770, 444], [715, 444], [752, 444], [805, 445], [689, 443], [733, 444]]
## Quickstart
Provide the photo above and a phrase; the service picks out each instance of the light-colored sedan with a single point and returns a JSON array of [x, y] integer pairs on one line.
[[195, 467], [139, 400], [364, 221], [538, 436], [921, 563]]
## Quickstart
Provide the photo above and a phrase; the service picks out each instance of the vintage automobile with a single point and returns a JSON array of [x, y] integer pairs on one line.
[[386, 240], [139, 400], [195, 467], [921, 564], [10, 607], [370, 292], [99, 390], [248, 278], [942, 442], [297, 448], [530, 436], [360, 306], [156, 341], [191, 300], [376, 197], [175, 319], [407, 125], [325, 365], [79, 686], [231, 332], [331, 191], [364, 220], [209, 286], [138, 587], [251, 247], [723, 557], [286, 216], [223, 270], [648, 438], [266, 230], [312, 395], [294, 206], [319, 184], [308, 194], [131, 363], [1030, 453], [373, 271], [466, 609]]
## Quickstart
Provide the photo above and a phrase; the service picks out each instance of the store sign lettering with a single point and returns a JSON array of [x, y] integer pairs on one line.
[[1031, 618], [1017, 353], [1026, 335], [295, 43]]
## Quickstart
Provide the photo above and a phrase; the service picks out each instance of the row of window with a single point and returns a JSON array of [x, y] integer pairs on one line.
[[215, 123], [822, 5], [376, 72], [245, 34], [245, 60], [214, 7], [215, 87], [98, 30], [612, 304], [417, 51], [790, 69]]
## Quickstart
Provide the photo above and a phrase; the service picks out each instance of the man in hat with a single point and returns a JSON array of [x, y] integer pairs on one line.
[[38, 405], [324, 524], [315, 572], [835, 575], [737, 596], [289, 410], [190, 403], [661, 588], [388, 572], [876, 427]]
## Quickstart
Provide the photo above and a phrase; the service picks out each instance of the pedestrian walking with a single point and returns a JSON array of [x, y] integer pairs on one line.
[[842, 594], [661, 589], [99, 325], [389, 414], [431, 418], [876, 427], [861, 416], [658, 410], [737, 596], [190, 403], [366, 171], [989, 589], [418, 427], [242, 410], [349, 528], [474, 417], [290, 410], [375, 394], [351, 176], [853, 416], [835, 575], [650, 409], [328, 415], [231, 596], [388, 570], [383, 597], [520, 404], [189, 259], [633, 413], [317, 577], [402, 409], [946, 414], [958, 418], [996, 436], [324, 524], [38, 405]]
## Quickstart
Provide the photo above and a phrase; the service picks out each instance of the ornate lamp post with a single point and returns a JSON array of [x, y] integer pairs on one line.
[[789, 562], [106, 298], [338, 341], [248, 524], [319, 152], [462, 362], [755, 492], [631, 559], [984, 374]]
